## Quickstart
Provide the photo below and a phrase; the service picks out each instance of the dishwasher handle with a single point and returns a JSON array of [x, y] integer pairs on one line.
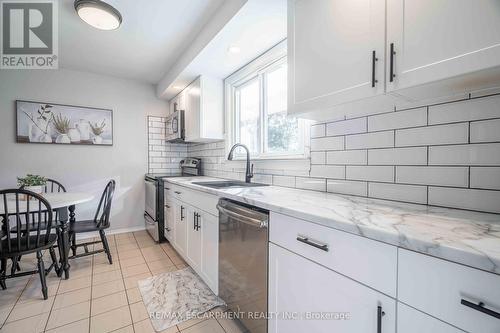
[[261, 223]]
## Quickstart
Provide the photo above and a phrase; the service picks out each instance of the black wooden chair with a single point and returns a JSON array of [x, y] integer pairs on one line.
[[99, 223], [32, 217], [51, 186]]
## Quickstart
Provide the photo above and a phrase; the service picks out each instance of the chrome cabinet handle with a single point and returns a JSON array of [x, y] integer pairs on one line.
[[374, 59], [182, 213], [313, 243], [481, 308], [177, 192], [167, 188], [167, 206], [168, 229]]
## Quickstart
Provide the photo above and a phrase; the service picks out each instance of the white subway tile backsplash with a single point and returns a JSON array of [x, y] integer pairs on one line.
[[398, 192], [328, 143], [351, 126], [433, 135], [286, 181], [318, 157], [349, 187], [481, 200], [346, 157], [485, 131], [429, 175], [398, 119], [316, 184], [370, 140], [328, 171], [370, 173], [398, 156], [472, 154], [485, 177], [474, 109], [318, 130]]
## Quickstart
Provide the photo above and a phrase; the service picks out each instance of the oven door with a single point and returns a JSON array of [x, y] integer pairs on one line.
[[150, 204]]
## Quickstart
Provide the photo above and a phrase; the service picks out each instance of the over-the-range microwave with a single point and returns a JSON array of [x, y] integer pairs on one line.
[[175, 127]]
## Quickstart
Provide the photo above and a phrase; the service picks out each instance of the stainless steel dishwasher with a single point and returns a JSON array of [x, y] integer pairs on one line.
[[243, 252]]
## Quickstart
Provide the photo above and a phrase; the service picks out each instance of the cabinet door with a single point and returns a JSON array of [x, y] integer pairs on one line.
[[330, 48], [209, 227], [193, 254], [180, 228], [435, 40], [193, 112], [298, 287], [169, 220]]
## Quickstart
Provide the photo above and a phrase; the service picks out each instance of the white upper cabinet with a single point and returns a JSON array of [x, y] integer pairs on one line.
[[332, 46], [437, 40], [203, 109]]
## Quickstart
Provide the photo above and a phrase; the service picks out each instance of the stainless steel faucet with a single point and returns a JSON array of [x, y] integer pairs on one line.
[[249, 170]]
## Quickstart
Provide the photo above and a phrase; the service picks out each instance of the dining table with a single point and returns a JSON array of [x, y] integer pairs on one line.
[[63, 204]]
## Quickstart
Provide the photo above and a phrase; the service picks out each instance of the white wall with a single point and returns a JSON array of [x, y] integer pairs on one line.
[[83, 168]]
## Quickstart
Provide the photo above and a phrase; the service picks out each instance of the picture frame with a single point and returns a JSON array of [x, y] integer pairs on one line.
[[54, 123]]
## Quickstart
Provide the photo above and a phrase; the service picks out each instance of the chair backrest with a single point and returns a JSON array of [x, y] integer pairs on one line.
[[29, 215], [53, 186], [104, 209]]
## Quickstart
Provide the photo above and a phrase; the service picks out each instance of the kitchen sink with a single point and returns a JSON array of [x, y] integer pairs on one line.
[[228, 184]]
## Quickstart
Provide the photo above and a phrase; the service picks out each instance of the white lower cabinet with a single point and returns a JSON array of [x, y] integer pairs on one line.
[[180, 228], [413, 321], [195, 233], [193, 251], [301, 291]]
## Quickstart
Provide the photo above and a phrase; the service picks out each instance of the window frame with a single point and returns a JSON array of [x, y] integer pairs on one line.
[[258, 69]]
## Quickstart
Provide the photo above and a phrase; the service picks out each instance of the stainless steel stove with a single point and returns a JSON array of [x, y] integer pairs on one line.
[[154, 214]]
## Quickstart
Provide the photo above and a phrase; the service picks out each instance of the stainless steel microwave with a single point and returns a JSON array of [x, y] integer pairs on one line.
[[175, 126]]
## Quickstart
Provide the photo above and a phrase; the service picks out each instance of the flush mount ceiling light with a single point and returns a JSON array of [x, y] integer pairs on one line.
[[98, 14]]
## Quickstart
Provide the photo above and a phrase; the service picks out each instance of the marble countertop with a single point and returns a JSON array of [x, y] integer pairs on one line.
[[465, 237]]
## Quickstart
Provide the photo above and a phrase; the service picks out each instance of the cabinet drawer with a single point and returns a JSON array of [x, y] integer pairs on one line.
[[198, 199], [410, 320], [367, 261], [437, 287]]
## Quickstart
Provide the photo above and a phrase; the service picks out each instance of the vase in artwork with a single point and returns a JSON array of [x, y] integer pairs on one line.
[[97, 140], [34, 133], [63, 138], [74, 135], [84, 129], [45, 138]]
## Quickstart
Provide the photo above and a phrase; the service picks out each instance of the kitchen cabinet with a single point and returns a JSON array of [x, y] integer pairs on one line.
[[194, 249], [436, 40], [332, 47], [196, 231], [180, 229], [426, 51], [303, 289], [410, 320], [169, 220], [202, 102]]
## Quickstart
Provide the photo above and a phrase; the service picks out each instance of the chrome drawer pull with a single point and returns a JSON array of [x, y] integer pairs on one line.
[[313, 243], [481, 308], [177, 192], [167, 206]]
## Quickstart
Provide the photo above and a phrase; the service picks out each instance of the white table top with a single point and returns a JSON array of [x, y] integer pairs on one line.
[[56, 200]]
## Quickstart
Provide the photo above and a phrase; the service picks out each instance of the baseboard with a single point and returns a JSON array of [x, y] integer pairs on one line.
[[111, 232]]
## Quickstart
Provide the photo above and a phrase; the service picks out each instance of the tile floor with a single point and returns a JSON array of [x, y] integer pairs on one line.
[[98, 297]]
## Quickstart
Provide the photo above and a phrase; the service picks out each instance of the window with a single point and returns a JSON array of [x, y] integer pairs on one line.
[[259, 112]]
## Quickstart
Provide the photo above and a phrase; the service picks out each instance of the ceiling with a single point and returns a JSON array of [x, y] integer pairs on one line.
[[257, 26], [153, 35]]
